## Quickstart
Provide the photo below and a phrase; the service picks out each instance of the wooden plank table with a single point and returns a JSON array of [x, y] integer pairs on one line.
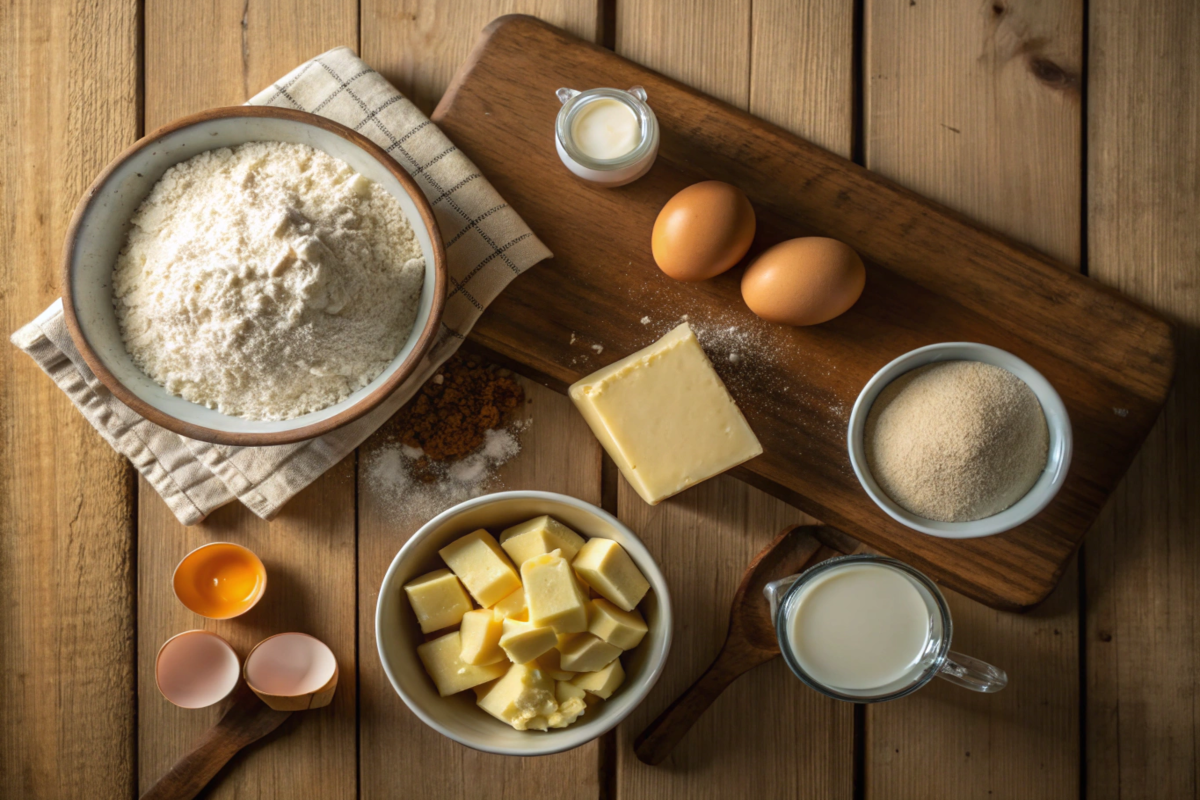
[[1069, 126]]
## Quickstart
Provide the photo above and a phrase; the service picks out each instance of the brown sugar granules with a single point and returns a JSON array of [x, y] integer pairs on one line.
[[451, 415], [956, 441]]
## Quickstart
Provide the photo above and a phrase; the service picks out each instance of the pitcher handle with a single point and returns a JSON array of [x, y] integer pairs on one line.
[[971, 673]]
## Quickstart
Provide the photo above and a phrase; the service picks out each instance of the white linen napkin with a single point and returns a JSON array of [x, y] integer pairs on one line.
[[487, 245]]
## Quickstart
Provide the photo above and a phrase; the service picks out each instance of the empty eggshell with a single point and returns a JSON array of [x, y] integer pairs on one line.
[[804, 281], [195, 669], [292, 672], [702, 231]]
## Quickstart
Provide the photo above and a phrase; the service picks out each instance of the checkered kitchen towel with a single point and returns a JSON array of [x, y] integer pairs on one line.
[[487, 245]]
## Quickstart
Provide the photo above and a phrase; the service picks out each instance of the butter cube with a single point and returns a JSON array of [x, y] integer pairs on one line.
[[587, 653], [571, 704], [443, 661], [480, 563], [537, 536], [550, 662], [609, 570], [524, 641], [438, 600], [665, 417], [524, 698], [602, 682], [616, 626], [554, 596], [481, 631], [565, 690], [513, 606]]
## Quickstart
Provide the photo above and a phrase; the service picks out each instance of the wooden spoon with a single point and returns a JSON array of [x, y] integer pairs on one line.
[[751, 637], [246, 719]]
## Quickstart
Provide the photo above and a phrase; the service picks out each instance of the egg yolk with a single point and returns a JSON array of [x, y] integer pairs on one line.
[[220, 581]]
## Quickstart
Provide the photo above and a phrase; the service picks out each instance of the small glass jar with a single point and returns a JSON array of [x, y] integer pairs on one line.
[[610, 172]]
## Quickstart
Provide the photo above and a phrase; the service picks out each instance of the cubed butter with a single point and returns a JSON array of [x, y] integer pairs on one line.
[[665, 417], [524, 698], [537, 536], [550, 662], [571, 706], [438, 600], [616, 626], [482, 566], [481, 631], [609, 570], [565, 690], [524, 641], [602, 682], [554, 596], [587, 653], [513, 606], [443, 661]]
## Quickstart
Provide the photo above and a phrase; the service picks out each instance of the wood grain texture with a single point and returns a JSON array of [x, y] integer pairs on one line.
[[958, 105], [802, 69], [703, 44], [400, 755], [960, 95], [750, 639], [309, 553], [1142, 564], [941, 282], [419, 44], [758, 739], [70, 100], [199, 55]]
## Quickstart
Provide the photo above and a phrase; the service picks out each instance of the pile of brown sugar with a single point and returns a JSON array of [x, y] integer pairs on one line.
[[956, 441], [450, 416]]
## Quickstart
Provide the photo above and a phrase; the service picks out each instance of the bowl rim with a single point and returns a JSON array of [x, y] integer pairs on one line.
[[206, 434], [562, 740], [1028, 506]]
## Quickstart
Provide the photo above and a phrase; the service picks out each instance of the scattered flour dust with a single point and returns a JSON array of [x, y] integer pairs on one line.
[[267, 280], [413, 487]]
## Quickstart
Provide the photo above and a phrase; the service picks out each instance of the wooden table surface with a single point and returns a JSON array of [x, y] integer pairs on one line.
[[1069, 125]]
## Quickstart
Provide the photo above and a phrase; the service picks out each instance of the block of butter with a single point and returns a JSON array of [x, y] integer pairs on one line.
[[665, 417]]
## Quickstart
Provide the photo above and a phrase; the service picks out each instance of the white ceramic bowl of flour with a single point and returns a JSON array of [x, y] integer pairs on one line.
[[397, 633], [100, 225], [1037, 498]]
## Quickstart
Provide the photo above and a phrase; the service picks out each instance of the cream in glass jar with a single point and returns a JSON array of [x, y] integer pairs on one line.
[[606, 136]]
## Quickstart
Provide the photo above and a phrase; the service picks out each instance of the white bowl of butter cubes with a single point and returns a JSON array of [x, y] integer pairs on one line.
[[523, 623]]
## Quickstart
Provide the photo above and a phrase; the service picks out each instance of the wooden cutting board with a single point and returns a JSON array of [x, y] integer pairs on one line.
[[933, 276]]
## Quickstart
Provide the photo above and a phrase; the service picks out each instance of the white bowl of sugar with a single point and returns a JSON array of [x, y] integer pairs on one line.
[[1045, 484], [99, 231]]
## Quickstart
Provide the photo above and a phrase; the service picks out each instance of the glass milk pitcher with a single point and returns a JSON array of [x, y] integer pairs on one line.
[[866, 628]]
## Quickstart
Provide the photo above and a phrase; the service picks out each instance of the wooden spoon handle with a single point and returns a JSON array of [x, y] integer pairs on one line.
[[246, 720], [659, 739]]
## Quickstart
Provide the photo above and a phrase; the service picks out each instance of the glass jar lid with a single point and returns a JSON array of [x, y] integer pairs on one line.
[[575, 102]]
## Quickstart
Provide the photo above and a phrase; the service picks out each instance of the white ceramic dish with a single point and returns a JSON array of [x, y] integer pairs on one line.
[[98, 232], [397, 633], [1036, 499]]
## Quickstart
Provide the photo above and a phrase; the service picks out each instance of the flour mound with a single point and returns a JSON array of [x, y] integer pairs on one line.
[[267, 280]]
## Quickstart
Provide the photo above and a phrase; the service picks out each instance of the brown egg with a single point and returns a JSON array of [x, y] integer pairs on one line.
[[702, 231], [804, 281]]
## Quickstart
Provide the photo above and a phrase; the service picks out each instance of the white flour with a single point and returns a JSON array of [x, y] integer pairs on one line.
[[267, 281]]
